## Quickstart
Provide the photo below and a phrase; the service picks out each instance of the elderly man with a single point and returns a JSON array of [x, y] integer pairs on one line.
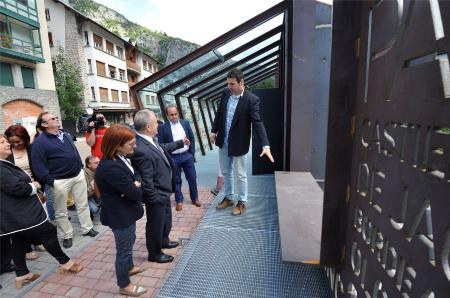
[[237, 115], [57, 163], [173, 130], [152, 162]]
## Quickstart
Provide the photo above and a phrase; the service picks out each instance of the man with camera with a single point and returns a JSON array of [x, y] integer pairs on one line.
[[94, 134]]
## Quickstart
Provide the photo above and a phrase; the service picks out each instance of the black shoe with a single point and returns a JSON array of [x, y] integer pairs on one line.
[[67, 242], [171, 244], [161, 259], [91, 233]]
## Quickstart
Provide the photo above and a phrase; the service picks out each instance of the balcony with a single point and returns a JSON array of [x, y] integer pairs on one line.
[[20, 49], [133, 67], [20, 11]]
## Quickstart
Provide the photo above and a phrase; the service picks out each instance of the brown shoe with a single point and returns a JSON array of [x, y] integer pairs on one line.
[[226, 202], [179, 206], [239, 209], [197, 203]]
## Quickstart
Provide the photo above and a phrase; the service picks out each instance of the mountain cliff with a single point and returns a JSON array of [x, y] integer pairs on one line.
[[164, 48]]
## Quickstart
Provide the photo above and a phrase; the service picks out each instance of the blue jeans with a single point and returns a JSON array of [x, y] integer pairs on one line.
[[185, 161], [234, 166], [94, 208], [49, 203], [124, 253]]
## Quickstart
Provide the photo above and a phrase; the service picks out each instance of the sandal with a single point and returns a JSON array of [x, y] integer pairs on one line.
[[40, 248], [75, 268], [136, 270], [135, 292], [23, 282], [31, 256]]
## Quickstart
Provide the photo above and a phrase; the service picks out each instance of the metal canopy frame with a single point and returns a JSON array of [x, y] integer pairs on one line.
[[200, 75]]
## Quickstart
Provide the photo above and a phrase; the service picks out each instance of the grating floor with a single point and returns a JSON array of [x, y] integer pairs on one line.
[[239, 256]]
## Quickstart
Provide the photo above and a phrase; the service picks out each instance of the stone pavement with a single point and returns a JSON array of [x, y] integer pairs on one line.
[[98, 256]]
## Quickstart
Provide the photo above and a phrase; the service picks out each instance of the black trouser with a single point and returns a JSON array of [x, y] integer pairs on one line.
[[5, 252], [45, 232], [158, 226]]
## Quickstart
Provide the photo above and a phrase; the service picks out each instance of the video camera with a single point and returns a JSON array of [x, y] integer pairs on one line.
[[98, 119]]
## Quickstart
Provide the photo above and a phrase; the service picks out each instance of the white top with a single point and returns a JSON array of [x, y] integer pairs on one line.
[[178, 133], [127, 162]]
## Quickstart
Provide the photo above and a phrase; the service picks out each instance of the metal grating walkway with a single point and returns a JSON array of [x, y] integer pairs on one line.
[[239, 256]]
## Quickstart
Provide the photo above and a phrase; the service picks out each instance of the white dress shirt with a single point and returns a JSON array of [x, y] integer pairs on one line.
[[178, 133]]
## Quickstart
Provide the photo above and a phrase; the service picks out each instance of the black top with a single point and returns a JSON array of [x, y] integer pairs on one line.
[[121, 199], [19, 210]]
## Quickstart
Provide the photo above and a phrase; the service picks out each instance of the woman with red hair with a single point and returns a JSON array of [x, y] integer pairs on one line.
[[121, 197]]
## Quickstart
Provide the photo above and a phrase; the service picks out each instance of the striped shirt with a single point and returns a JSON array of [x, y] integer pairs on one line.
[[231, 108]]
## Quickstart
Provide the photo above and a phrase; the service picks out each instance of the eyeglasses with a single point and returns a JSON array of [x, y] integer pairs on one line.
[[53, 118]]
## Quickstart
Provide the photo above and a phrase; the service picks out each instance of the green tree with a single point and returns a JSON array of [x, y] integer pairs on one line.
[[265, 84], [68, 86]]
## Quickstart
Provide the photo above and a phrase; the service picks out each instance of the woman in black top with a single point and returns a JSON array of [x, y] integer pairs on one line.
[[23, 216]]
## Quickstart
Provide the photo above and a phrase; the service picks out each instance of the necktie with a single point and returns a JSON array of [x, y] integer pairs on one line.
[[160, 150]]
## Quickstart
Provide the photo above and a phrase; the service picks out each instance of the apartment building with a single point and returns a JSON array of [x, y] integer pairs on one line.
[[27, 85], [139, 67], [101, 56]]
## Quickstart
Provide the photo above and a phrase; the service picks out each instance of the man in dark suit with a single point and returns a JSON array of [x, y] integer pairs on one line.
[[237, 114], [156, 170], [173, 130]]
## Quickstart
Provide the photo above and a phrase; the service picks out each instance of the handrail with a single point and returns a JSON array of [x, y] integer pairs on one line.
[[9, 42]]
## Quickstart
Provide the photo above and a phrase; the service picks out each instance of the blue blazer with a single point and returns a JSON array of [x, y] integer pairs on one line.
[[121, 199], [165, 134]]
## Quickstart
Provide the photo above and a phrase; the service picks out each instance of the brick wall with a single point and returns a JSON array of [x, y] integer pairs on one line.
[[19, 102]]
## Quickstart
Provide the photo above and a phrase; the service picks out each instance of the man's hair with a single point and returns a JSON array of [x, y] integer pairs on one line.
[[237, 74], [89, 159], [115, 136], [142, 118], [39, 120], [170, 106]]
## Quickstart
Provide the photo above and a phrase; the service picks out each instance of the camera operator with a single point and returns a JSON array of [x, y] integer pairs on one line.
[[94, 135]]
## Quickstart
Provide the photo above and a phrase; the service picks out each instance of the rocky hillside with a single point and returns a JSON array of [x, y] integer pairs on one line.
[[164, 48]]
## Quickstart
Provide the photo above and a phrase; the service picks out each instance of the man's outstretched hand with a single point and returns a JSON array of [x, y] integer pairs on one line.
[[266, 151]]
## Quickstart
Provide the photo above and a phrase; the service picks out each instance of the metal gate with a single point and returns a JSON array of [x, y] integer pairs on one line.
[[393, 201]]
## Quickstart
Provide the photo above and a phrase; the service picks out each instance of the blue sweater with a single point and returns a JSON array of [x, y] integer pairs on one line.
[[53, 159]]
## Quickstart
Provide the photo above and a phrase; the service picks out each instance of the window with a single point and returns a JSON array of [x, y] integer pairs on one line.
[[98, 42], [147, 100], [122, 75], [6, 76], [153, 100], [119, 52], [93, 94], [90, 66], [112, 71], [28, 78], [115, 95], [86, 38], [144, 62], [101, 71], [124, 96], [110, 47], [50, 39], [103, 94], [47, 14]]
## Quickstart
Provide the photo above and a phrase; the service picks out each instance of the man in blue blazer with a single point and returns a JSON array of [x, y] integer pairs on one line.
[[236, 117], [173, 130]]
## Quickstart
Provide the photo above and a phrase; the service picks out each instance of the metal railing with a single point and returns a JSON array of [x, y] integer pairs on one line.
[[21, 9], [20, 45]]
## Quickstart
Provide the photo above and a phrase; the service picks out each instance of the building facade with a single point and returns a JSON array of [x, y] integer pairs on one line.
[[101, 56], [27, 85]]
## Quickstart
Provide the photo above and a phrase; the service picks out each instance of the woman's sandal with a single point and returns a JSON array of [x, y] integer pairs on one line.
[[31, 256], [136, 270], [23, 282], [135, 292], [75, 268]]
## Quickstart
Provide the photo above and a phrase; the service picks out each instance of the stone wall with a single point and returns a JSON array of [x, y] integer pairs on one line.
[[74, 52], [46, 99]]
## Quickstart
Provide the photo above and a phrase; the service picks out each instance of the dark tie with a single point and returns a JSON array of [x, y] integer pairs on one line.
[[160, 150]]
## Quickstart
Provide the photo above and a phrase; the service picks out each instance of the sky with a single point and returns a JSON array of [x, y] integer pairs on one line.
[[198, 21]]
